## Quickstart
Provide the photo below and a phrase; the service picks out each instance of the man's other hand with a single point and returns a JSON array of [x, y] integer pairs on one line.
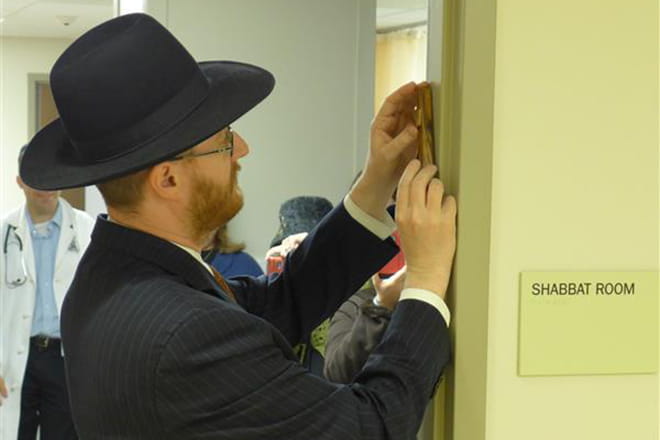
[[426, 221], [393, 145], [289, 244], [389, 289]]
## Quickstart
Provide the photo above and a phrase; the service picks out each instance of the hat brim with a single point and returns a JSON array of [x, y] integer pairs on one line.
[[50, 162]]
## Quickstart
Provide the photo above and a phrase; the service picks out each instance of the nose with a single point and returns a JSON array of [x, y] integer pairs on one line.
[[241, 147]]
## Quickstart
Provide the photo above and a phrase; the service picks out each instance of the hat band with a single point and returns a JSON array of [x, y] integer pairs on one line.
[[151, 127]]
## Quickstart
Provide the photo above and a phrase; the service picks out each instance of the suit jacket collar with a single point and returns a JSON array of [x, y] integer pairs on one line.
[[156, 251]]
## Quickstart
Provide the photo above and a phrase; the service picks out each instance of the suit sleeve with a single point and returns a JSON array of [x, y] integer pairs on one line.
[[331, 264], [355, 330], [223, 374]]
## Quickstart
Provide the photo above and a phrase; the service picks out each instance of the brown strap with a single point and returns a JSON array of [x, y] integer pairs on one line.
[[223, 284]]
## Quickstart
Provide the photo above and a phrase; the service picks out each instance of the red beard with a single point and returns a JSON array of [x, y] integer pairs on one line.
[[212, 206]]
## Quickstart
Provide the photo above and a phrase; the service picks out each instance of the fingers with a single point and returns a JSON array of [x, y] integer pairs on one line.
[[393, 143], [398, 277], [3, 390], [389, 290], [377, 282], [419, 186], [275, 250], [425, 218], [403, 97], [394, 281], [403, 189], [291, 243], [449, 207], [435, 194], [397, 111], [412, 189], [405, 140]]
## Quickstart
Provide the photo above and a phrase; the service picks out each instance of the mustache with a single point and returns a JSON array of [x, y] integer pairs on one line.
[[234, 174]]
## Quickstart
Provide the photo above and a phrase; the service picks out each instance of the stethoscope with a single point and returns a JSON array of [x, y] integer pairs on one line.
[[15, 271]]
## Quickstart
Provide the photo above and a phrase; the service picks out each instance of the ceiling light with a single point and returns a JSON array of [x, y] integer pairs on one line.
[[66, 20]]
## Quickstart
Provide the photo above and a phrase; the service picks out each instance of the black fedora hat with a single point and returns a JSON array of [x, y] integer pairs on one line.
[[129, 96]]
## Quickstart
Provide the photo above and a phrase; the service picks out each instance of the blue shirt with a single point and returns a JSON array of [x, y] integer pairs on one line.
[[46, 319], [236, 264]]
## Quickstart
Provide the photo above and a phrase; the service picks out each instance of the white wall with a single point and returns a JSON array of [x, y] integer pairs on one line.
[[18, 58], [310, 135]]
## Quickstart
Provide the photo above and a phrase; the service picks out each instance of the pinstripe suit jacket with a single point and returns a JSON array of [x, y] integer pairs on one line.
[[154, 350]]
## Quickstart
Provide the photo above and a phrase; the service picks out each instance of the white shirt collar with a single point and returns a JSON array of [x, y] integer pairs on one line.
[[196, 255]]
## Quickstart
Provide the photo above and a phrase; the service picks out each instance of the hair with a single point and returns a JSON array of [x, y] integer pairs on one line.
[[124, 192], [223, 244]]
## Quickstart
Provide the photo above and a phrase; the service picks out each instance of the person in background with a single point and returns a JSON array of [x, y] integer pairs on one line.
[[228, 258], [357, 327], [340, 346], [298, 216], [43, 241]]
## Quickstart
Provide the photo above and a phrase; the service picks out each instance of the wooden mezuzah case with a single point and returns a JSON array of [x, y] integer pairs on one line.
[[424, 122]]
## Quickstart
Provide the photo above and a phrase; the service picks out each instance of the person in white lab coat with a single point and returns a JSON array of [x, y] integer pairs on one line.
[[43, 241]]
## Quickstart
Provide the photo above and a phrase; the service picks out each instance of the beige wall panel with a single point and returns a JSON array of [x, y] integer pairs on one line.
[[575, 187]]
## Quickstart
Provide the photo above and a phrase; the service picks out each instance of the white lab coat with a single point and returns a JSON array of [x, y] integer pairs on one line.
[[17, 303]]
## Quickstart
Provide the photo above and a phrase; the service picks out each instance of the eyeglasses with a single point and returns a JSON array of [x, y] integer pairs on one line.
[[229, 147]]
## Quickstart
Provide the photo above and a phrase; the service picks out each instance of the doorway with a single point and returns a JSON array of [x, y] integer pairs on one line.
[[42, 111]]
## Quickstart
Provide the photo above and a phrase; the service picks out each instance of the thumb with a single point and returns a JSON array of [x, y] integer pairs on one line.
[[399, 276], [377, 282], [404, 140]]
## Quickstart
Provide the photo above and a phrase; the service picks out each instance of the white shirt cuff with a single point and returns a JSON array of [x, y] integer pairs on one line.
[[428, 297], [380, 229]]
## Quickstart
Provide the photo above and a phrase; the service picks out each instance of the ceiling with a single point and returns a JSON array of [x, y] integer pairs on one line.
[[52, 18], [396, 14], [70, 18]]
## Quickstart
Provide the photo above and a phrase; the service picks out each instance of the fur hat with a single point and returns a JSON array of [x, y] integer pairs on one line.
[[300, 214]]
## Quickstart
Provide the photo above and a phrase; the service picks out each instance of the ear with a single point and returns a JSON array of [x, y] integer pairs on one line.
[[20, 182], [165, 180]]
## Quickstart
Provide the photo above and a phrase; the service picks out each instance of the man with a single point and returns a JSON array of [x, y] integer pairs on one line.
[[156, 345], [43, 242]]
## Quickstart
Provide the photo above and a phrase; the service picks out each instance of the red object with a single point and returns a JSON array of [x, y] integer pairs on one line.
[[396, 263], [275, 264]]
